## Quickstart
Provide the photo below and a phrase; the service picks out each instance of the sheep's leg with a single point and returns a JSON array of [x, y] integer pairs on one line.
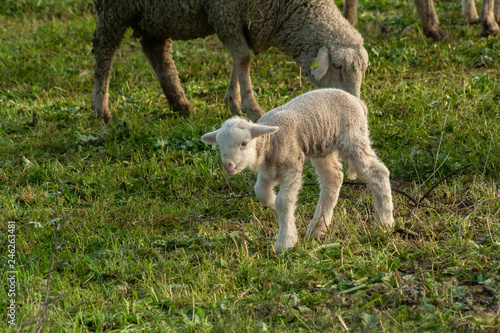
[[286, 201], [469, 10], [429, 19], [241, 64], [496, 11], [107, 39], [264, 190], [159, 53], [329, 171], [233, 98], [487, 18], [361, 157], [350, 11]]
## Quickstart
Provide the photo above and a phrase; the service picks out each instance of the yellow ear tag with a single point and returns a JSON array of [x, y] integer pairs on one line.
[[314, 64]]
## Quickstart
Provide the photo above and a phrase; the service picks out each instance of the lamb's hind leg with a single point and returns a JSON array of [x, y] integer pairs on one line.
[[107, 38], [361, 157], [158, 51], [329, 171]]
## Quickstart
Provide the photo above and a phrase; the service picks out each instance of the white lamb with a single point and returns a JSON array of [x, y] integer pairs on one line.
[[321, 125]]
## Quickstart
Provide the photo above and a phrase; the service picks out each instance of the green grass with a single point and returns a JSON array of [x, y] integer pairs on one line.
[[154, 236]]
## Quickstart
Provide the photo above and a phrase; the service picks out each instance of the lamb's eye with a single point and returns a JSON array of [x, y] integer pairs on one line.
[[244, 144], [337, 66]]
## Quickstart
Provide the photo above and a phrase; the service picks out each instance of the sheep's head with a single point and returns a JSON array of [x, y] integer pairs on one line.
[[237, 143], [340, 66]]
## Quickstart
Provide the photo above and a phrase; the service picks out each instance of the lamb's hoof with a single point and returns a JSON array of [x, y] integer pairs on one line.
[[437, 34], [314, 231], [282, 247], [385, 225], [315, 234]]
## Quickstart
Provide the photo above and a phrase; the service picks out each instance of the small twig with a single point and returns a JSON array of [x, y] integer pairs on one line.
[[247, 194], [380, 321], [344, 183], [412, 199], [32, 320], [488, 154], [406, 232], [440, 139], [43, 310], [342, 322], [441, 181], [386, 139], [213, 219]]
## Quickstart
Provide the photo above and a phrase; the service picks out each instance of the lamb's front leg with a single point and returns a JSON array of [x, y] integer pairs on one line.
[[286, 200], [364, 161], [329, 171], [265, 192]]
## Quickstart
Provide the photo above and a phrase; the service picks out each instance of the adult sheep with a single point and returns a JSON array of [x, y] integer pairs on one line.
[[302, 29], [490, 15]]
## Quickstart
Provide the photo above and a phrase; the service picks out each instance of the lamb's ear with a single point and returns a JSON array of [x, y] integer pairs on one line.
[[209, 138], [323, 62], [259, 130]]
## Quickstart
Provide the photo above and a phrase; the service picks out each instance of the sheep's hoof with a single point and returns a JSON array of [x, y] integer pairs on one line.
[[184, 109], [489, 28], [103, 114], [437, 34], [234, 105], [254, 113]]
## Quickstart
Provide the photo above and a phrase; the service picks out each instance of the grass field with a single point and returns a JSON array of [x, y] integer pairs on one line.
[[135, 226]]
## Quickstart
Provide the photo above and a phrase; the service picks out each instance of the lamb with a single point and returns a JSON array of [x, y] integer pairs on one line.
[[321, 125], [303, 29], [430, 21]]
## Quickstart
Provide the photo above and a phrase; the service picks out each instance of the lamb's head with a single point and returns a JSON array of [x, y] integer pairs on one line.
[[237, 141], [340, 66]]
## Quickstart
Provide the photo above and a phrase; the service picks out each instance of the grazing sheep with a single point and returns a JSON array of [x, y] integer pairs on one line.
[[302, 29], [321, 125], [490, 11]]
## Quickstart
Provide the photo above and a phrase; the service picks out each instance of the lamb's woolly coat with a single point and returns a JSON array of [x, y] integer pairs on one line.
[[298, 28], [321, 126]]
